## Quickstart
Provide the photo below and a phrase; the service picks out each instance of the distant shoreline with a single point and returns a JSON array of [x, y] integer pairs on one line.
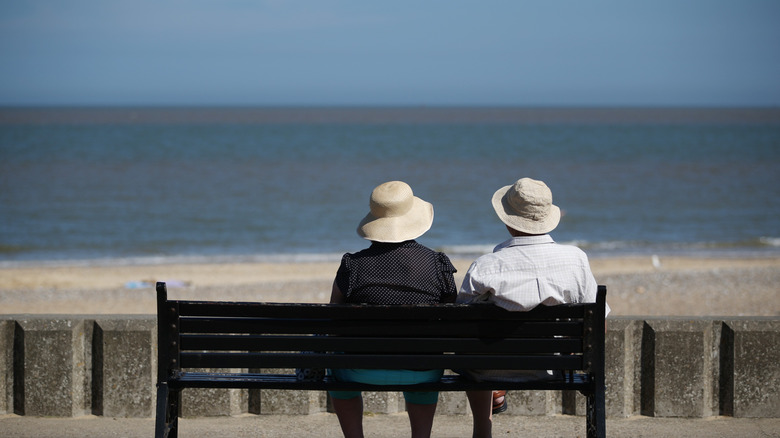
[[10, 115]]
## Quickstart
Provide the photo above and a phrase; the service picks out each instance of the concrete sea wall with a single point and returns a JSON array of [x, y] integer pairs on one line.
[[68, 366]]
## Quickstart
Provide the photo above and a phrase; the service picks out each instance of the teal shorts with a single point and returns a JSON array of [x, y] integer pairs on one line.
[[389, 377]]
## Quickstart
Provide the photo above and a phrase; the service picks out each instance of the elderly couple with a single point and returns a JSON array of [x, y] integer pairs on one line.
[[527, 270]]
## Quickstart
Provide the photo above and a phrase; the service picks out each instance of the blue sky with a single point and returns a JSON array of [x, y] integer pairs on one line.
[[345, 52]]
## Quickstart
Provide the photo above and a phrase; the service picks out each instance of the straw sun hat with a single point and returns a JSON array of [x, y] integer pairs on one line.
[[527, 206], [396, 214]]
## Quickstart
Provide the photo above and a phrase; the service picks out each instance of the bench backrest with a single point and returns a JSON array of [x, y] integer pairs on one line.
[[201, 334]]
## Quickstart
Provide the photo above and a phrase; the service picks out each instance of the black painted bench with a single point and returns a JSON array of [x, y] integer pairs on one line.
[[232, 335]]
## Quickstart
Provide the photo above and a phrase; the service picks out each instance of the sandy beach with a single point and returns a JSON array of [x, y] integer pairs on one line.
[[668, 286]]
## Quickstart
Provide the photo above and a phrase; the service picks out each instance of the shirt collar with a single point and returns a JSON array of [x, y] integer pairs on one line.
[[524, 241]]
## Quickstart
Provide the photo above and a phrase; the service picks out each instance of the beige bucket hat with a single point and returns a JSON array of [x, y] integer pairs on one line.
[[396, 214], [527, 206]]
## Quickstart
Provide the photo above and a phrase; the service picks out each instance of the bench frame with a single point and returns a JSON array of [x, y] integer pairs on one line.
[[255, 337]]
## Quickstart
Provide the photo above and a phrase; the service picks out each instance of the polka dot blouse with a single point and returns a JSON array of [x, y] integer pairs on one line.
[[396, 273]]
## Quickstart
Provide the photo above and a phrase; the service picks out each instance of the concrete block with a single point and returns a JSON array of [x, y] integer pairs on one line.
[[677, 368], [534, 403], [754, 382], [573, 403], [453, 403], [722, 349], [621, 359], [6, 366], [52, 366], [274, 401], [285, 402], [124, 366], [378, 402], [383, 402], [214, 402]]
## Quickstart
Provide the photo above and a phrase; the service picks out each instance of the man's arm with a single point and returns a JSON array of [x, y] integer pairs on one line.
[[472, 289]]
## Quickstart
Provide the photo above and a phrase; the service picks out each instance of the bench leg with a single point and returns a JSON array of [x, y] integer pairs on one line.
[[596, 415], [167, 414]]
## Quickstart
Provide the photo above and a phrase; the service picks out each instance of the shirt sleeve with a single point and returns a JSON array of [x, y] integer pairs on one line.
[[591, 288], [472, 289], [342, 275], [446, 271]]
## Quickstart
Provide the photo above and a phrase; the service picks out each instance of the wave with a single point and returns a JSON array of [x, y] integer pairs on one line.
[[758, 247], [770, 241]]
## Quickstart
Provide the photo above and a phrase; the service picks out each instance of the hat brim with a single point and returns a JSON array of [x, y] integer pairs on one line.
[[519, 223], [409, 226]]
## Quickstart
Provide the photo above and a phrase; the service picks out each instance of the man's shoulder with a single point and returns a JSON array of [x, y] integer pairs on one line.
[[569, 249], [498, 261], [567, 254]]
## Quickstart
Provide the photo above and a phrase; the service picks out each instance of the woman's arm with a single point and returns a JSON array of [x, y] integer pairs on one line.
[[335, 295]]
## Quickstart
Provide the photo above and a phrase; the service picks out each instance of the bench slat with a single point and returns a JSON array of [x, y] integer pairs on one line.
[[461, 312], [378, 344], [380, 361], [401, 327], [286, 381]]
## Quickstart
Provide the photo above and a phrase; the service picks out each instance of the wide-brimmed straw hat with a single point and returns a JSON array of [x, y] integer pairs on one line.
[[527, 206], [396, 214]]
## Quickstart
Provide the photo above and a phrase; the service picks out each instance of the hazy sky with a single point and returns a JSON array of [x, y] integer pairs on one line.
[[372, 52]]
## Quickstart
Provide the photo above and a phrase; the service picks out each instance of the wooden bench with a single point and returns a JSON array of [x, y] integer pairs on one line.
[[254, 336]]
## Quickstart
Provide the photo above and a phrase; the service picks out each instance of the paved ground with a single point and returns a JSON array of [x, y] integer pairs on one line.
[[385, 426]]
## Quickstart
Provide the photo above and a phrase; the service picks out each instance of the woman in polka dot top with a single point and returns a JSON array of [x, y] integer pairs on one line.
[[395, 269]]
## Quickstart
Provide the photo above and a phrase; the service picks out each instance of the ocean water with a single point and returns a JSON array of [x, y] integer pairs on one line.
[[123, 185]]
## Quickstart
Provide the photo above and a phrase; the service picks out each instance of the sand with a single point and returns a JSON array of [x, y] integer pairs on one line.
[[637, 286]]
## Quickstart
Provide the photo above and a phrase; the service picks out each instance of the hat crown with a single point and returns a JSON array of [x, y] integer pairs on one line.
[[396, 214], [530, 199], [527, 206], [391, 199]]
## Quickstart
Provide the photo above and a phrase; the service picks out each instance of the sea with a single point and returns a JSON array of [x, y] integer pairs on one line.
[[117, 185]]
